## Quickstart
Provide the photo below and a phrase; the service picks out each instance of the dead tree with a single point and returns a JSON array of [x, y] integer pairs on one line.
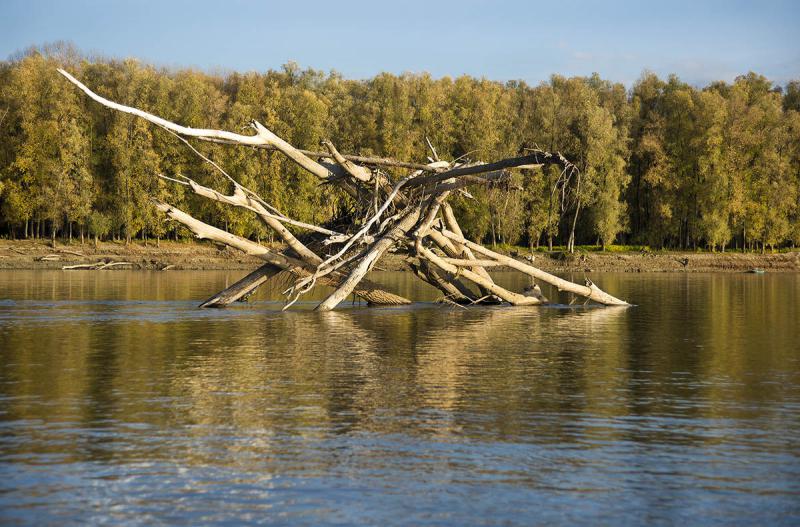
[[411, 214]]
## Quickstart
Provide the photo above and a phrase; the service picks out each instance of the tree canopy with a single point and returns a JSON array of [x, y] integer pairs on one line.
[[663, 163]]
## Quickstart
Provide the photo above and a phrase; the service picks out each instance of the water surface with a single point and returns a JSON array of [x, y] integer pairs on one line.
[[122, 403]]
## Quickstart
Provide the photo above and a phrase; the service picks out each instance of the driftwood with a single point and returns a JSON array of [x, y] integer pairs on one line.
[[68, 251], [411, 214], [243, 287], [97, 266], [53, 257]]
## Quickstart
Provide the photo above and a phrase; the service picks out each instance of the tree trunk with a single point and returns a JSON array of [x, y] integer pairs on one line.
[[366, 262], [510, 297], [590, 290], [243, 287]]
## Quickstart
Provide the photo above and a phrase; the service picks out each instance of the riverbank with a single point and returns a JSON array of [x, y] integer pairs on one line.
[[38, 254]]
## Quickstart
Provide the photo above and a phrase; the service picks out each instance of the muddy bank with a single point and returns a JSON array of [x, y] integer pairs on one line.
[[37, 254], [669, 262]]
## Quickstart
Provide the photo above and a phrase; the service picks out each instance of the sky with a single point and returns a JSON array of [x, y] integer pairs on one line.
[[700, 41]]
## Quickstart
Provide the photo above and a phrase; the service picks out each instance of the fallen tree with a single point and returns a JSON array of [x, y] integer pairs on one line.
[[411, 214]]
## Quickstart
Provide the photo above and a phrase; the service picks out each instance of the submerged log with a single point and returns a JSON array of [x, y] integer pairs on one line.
[[589, 290], [410, 214], [454, 290], [512, 298], [367, 290], [243, 287], [368, 260]]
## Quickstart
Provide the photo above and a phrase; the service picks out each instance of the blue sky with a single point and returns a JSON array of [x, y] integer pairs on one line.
[[699, 40]]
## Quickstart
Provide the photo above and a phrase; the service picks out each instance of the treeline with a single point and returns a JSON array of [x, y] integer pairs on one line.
[[663, 164]]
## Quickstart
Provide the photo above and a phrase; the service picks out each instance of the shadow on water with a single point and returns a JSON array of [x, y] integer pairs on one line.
[[119, 397]]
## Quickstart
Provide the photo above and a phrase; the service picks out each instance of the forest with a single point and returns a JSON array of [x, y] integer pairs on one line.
[[664, 164]]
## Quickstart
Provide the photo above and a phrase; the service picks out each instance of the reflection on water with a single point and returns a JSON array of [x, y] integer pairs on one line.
[[120, 401]]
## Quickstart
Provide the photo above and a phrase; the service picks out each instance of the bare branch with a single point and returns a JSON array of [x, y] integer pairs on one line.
[[590, 290], [368, 260], [358, 172], [510, 297], [202, 133], [538, 158], [366, 289]]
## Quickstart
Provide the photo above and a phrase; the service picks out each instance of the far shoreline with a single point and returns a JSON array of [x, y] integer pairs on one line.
[[189, 255]]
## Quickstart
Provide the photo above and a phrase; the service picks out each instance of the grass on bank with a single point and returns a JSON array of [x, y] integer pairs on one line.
[[622, 249]]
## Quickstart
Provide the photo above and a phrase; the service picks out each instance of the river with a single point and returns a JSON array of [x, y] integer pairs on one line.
[[122, 403]]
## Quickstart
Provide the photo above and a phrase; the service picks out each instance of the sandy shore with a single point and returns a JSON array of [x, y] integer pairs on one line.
[[38, 254]]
